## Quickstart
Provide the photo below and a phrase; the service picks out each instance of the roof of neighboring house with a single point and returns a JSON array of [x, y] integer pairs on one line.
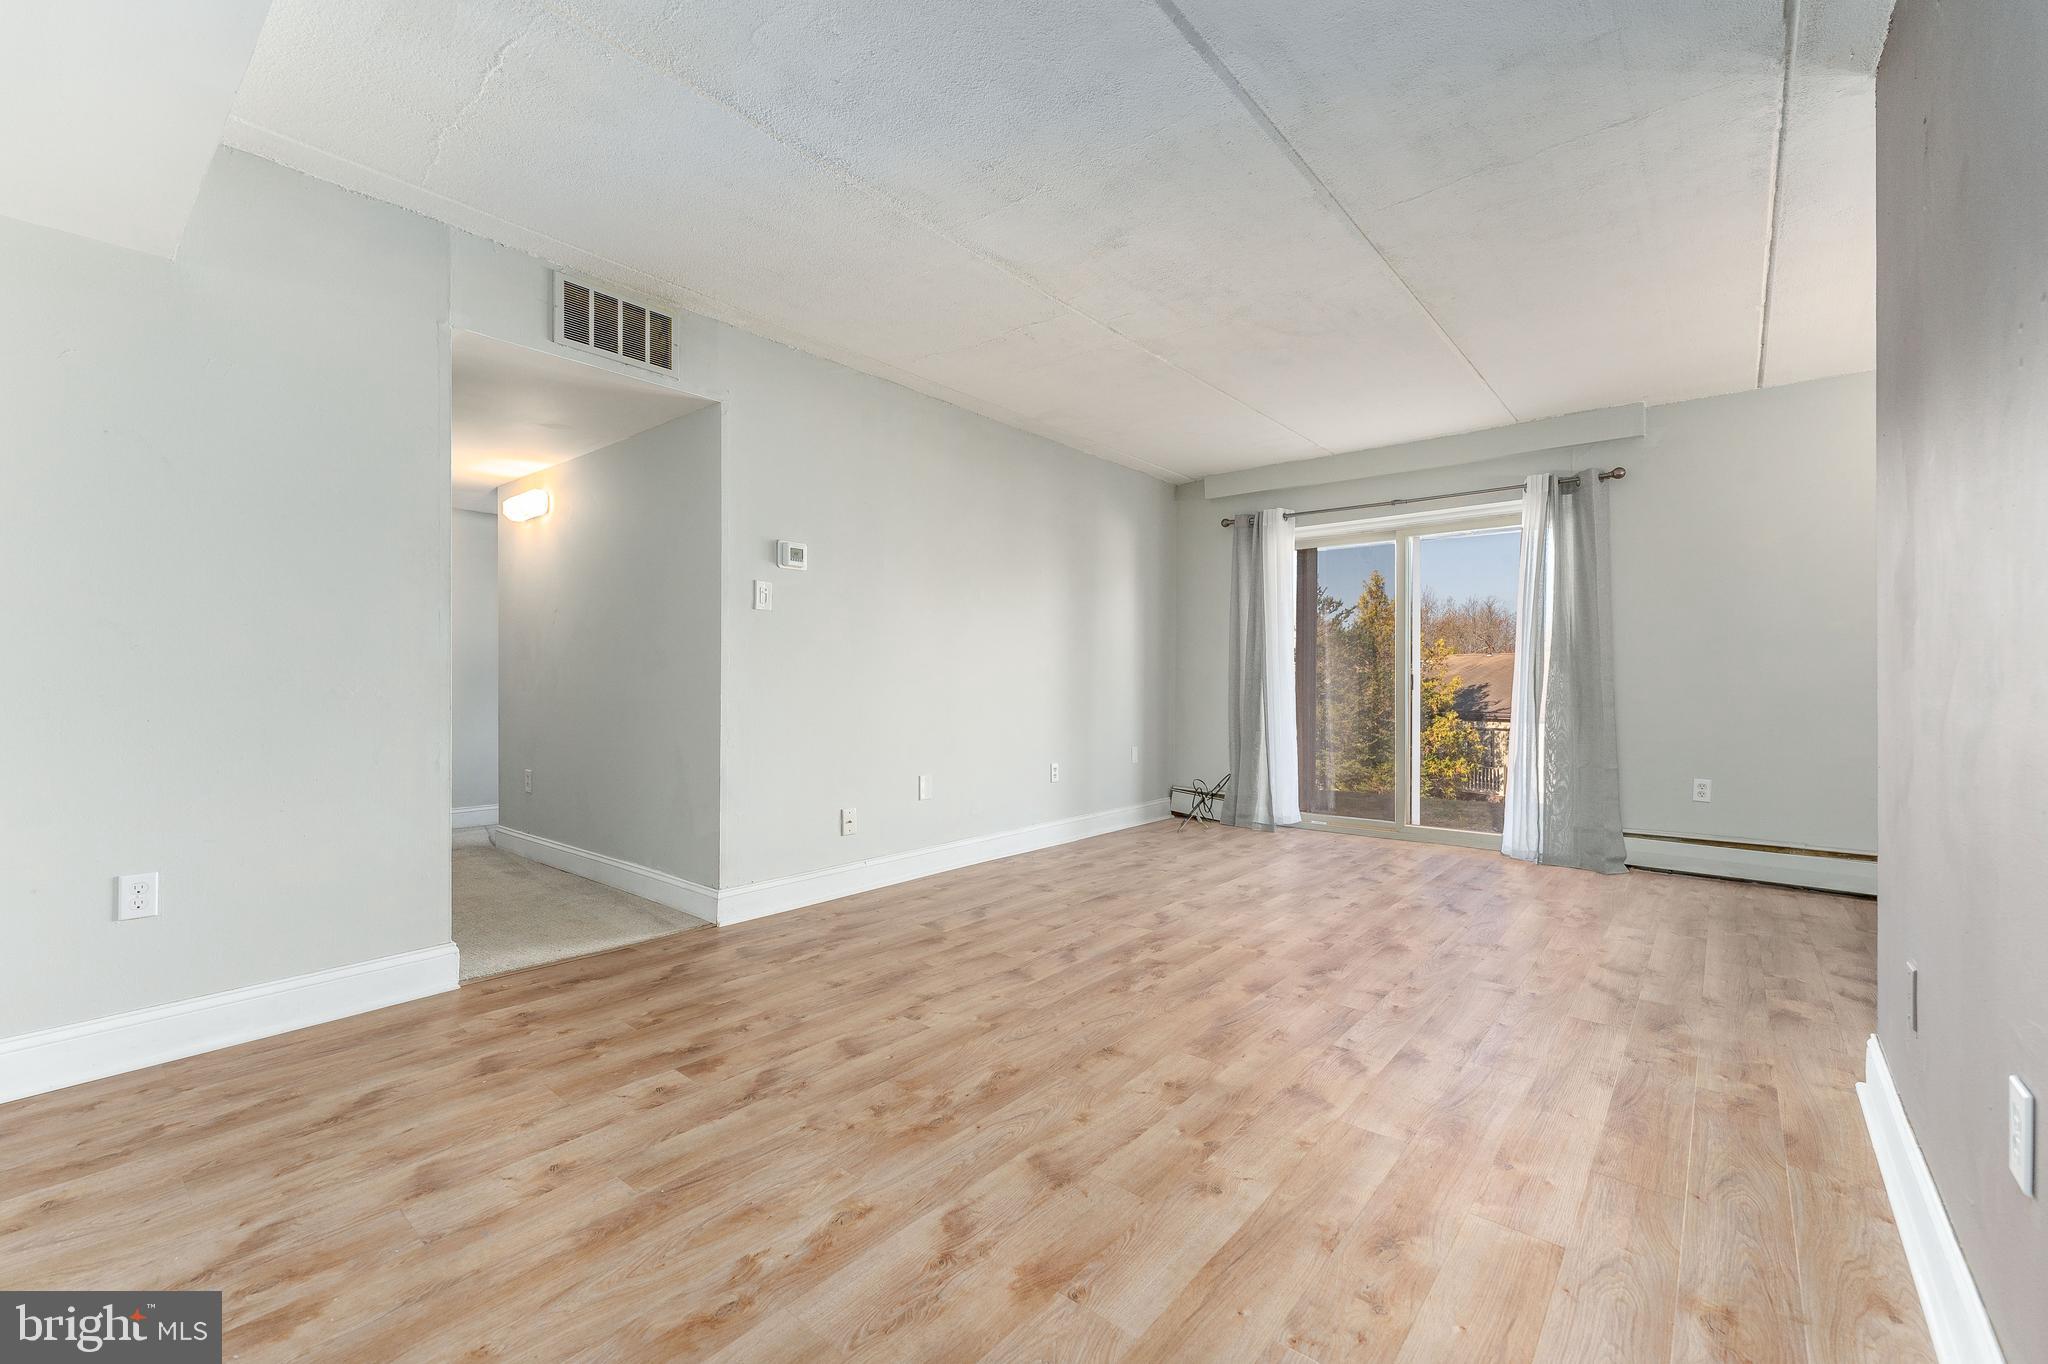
[[1485, 681]]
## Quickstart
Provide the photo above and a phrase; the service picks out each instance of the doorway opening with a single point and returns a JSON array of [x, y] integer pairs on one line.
[[535, 606]]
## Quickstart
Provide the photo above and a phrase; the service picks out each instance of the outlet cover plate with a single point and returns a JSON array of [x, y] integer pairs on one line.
[[135, 896]]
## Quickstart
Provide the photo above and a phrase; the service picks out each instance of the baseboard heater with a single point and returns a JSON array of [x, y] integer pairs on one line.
[[1741, 846]]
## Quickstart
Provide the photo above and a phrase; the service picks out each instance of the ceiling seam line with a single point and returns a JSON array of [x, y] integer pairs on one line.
[[704, 305], [853, 181], [1251, 105], [1776, 192]]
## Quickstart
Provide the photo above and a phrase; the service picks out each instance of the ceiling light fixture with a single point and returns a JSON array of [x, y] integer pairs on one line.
[[530, 505]]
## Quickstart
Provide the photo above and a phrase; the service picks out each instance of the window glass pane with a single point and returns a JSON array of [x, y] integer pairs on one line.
[[1465, 613], [1348, 681]]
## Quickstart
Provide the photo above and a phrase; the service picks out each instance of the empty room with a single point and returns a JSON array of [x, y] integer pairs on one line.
[[1156, 680]]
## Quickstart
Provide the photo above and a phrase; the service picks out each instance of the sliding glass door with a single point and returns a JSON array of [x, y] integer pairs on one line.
[[1465, 655], [1347, 680], [1404, 664]]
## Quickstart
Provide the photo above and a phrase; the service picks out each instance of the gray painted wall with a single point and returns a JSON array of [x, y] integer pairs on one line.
[[240, 660], [1744, 620], [476, 659], [228, 654], [981, 603], [608, 652], [1962, 306]]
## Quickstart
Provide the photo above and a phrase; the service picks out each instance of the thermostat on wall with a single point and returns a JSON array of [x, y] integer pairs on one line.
[[790, 554]]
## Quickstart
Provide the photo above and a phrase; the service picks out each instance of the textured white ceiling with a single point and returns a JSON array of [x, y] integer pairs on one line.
[[517, 411], [1189, 237]]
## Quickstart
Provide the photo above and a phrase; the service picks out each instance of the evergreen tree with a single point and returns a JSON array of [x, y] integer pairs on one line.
[[1358, 697]]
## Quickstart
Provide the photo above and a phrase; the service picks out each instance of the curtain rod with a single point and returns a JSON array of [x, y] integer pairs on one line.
[[1567, 482]]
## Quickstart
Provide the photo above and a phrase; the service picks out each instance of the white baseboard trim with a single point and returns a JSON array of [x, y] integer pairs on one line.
[[473, 816], [699, 902], [55, 1058], [737, 904], [1948, 1295], [1748, 864]]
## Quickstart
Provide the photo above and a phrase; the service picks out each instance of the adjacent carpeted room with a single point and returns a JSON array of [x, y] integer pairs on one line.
[[512, 913]]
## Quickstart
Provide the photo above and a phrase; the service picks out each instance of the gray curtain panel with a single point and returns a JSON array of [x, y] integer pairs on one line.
[[1251, 799], [1564, 770]]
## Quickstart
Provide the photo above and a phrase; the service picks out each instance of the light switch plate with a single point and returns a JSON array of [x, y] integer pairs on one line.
[[924, 787], [764, 595], [849, 822]]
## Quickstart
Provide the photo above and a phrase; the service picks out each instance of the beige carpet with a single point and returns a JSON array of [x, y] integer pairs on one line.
[[510, 913]]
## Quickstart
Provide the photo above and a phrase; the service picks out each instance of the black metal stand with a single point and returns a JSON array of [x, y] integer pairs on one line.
[[1202, 800]]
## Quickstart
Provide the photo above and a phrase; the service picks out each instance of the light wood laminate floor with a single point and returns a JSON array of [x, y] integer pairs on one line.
[[1154, 1096]]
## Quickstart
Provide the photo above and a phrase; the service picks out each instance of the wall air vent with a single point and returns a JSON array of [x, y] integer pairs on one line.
[[575, 314], [601, 320], [658, 328]]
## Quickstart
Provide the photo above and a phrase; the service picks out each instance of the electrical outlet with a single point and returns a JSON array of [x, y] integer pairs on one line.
[[135, 896], [924, 787], [1055, 771], [529, 781], [764, 595], [849, 822], [1702, 788], [2019, 1133], [1913, 996]]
